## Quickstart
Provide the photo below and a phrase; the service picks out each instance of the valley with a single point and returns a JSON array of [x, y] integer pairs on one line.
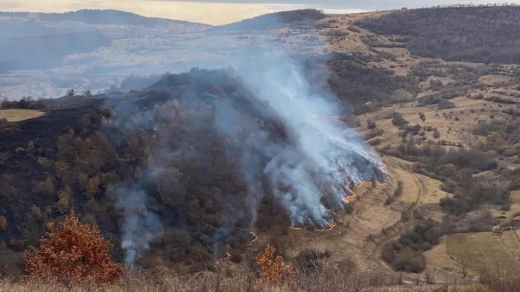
[[445, 126]]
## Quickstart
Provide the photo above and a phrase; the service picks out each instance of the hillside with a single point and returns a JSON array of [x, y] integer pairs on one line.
[[303, 18], [369, 160], [99, 17], [46, 51], [165, 142], [43, 40], [457, 33]]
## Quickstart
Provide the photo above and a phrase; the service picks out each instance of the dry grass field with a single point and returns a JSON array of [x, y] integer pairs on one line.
[[213, 282], [484, 253], [17, 115]]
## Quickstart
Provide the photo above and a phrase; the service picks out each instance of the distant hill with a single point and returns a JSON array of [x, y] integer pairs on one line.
[[42, 40], [46, 51], [273, 20], [101, 17], [457, 33]]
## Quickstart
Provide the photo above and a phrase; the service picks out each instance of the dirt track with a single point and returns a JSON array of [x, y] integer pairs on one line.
[[401, 226]]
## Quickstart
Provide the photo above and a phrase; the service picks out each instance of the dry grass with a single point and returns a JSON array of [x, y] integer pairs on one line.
[[511, 242], [328, 280], [446, 267], [18, 115], [483, 252], [325, 281]]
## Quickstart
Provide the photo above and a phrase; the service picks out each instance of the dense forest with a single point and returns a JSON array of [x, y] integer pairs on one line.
[[455, 33]]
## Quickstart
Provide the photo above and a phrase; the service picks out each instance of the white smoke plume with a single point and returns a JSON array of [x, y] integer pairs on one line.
[[324, 156], [140, 225]]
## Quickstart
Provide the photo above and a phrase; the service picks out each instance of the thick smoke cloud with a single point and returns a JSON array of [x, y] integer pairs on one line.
[[307, 163], [309, 175]]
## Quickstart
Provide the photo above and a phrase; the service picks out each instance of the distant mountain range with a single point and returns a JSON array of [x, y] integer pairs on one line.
[[274, 20], [100, 17], [41, 40]]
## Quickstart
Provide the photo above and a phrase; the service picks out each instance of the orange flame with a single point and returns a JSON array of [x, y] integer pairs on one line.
[[255, 238]]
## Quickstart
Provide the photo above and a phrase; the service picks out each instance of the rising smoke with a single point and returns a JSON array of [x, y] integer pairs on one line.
[[307, 163], [140, 225], [310, 175]]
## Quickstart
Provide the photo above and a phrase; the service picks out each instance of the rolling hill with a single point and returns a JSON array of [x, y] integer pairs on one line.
[[190, 156]]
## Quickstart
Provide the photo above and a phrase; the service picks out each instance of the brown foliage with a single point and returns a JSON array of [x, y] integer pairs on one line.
[[64, 200], [3, 223], [273, 270], [74, 253]]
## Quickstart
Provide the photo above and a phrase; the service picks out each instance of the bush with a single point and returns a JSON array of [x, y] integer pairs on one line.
[[422, 117], [273, 269], [310, 260], [445, 104], [399, 190], [406, 254], [371, 124], [72, 253], [235, 257], [398, 120]]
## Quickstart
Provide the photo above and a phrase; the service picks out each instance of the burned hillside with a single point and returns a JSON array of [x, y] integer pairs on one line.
[[192, 165]]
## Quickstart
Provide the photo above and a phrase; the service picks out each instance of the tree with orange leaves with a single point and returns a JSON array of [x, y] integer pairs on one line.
[[273, 270], [72, 253]]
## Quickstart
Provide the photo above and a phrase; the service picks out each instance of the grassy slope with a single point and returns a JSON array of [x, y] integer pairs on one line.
[[18, 115]]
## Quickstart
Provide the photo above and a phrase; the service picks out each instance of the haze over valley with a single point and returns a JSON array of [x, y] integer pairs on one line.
[[300, 150]]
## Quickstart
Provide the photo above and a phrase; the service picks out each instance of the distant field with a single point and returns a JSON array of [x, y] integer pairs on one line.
[[484, 251], [17, 115]]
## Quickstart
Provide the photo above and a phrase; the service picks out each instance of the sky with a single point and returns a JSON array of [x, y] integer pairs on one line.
[[221, 11]]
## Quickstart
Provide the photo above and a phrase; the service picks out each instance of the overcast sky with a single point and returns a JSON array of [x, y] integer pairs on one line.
[[220, 11]]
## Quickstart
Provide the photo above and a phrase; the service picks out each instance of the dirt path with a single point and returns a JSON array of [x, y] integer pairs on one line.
[[400, 227]]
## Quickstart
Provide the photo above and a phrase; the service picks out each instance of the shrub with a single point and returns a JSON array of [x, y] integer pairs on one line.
[[72, 253], [273, 269], [398, 120], [371, 124], [445, 104], [399, 190], [406, 254], [235, 257], [310, 260]]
